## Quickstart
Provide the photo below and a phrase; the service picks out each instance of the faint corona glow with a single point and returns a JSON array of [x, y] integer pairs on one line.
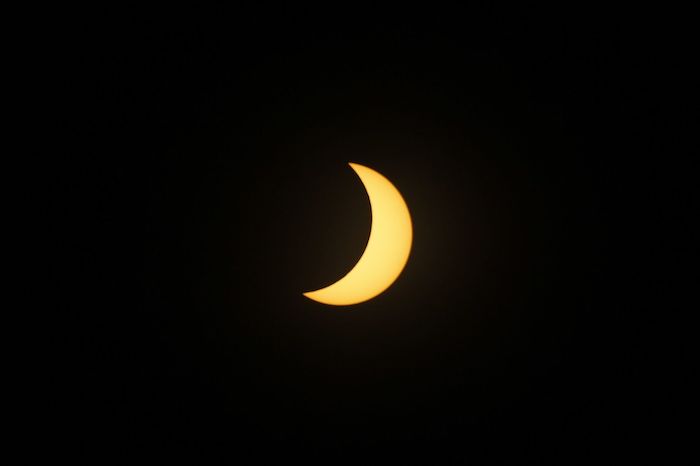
[[387, 249]]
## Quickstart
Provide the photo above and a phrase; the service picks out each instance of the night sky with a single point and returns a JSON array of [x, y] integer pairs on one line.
[[212, 172]]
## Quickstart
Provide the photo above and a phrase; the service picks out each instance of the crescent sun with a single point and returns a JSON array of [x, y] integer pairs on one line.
[[387, 250]]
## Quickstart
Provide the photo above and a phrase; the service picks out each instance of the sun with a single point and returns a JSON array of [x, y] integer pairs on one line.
[[387, 250]]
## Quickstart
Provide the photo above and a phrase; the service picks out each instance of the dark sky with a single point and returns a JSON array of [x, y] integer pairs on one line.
[[214, 176]]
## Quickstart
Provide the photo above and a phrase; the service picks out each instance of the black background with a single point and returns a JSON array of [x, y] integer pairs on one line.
[[212, 172]]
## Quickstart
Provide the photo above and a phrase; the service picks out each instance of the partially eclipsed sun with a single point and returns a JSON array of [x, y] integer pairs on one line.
[[387, 249]]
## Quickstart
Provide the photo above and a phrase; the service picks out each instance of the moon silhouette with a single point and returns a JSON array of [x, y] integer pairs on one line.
[[387, 249]]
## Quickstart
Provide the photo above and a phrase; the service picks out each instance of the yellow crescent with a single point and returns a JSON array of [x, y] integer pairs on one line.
[[387, 249]]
